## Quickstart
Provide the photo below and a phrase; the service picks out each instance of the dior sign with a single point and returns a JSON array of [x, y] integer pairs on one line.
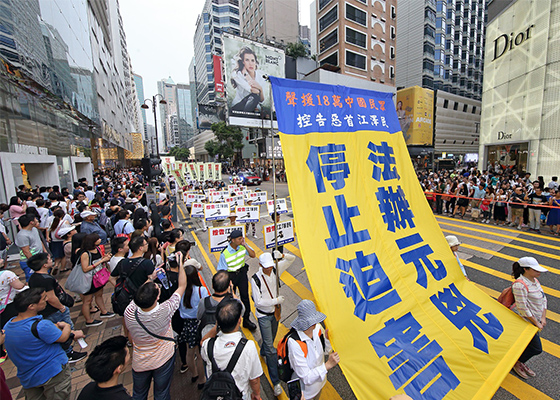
[[503, 135], [507, 42]]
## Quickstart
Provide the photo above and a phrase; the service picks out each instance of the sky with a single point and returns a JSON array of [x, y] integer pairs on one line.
[[159, 36]]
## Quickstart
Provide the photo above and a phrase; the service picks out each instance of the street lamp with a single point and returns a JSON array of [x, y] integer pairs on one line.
[[145, 106]]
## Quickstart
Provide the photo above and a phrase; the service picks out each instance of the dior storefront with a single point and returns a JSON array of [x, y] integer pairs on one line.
[[521, 91]]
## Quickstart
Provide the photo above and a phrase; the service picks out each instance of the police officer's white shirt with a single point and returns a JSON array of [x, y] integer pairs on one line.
[[248, 366]]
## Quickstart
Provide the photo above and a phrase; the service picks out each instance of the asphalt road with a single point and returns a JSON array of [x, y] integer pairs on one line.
[[488, 251]]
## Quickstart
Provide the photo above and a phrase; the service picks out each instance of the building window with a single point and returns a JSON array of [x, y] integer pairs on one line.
[[355, 60], [326, 20], [332, 59], [455, 105], [392, 72], [474, 110], [328, 41], [445, 103], [356, 15], [393, 12], [392, 30], [261, 22], [323, 3], [465, 107], [392, 52], [355, 37], [260, 6]]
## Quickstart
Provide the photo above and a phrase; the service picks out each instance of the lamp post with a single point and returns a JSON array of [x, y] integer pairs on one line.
[[145, 106]]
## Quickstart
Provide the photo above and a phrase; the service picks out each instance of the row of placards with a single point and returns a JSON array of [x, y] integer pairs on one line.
[[201, 172], [219, 235], [245, 213]]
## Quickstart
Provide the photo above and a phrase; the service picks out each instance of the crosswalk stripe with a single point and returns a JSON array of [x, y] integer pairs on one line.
[[523, 390], [537, 235], [550, 246]]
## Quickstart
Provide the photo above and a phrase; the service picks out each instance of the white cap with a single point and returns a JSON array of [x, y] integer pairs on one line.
[[266, 260], [64, 229], [87, 213], [452, 241], [530, 262]]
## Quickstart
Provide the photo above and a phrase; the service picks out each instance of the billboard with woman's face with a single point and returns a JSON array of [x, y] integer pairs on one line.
[[247, 91]]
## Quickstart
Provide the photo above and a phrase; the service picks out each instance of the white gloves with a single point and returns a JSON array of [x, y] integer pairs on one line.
[[277, 255], [280, 300]]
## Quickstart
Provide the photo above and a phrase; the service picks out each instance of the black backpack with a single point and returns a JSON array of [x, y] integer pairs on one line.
[[208, 318], [125, 289], [221, 384]]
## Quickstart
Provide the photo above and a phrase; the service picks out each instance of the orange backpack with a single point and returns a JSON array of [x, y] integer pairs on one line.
[[507, 298], [285, 370]]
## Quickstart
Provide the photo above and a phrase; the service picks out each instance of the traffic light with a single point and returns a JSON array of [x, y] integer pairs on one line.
[[151, 167]]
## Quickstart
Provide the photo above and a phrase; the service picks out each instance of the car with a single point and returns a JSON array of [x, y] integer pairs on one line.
[[247, 178]]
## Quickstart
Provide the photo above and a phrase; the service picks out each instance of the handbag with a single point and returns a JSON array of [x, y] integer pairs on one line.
[[64, 298], [277, 307], [101, 277], [79, 281]]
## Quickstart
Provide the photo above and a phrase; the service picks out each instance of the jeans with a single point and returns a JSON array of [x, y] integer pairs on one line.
[[28, 271], [534, 218], [65, 317], [269, 326], [162, 382], [534, 348]]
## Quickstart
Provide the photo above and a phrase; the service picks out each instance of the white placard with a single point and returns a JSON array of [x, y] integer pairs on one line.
[[281, 206], [190, 198], [235, 201], [258, 198], [218, 197], [285, 233], [216, 211], [197, 210], [247, 214], [232, 188], [218, 236]]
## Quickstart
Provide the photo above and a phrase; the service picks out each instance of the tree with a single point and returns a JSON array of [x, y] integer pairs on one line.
[[296, 49], [180, 153], [229, 141]]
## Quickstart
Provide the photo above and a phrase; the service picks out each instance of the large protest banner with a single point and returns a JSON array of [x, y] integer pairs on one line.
[[400, 312]]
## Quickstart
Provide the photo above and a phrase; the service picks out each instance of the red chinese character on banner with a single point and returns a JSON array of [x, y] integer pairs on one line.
[[336, 101], [372, 104], [222, 232], [214, 233], [291, 98], [349, 100], [361, 102], [307, 99]]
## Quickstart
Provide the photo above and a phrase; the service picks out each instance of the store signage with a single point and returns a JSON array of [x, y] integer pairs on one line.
[[503, 135], [507, 42], [27, 149]]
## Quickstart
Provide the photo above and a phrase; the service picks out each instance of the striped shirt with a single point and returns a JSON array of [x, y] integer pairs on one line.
[[150, 353], [531, 303]]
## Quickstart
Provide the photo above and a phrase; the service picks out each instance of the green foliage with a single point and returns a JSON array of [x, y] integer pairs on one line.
[[180, 153], [229, 141], [296, 50]]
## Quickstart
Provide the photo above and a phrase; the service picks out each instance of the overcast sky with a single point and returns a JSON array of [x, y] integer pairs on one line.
[[159, 36]]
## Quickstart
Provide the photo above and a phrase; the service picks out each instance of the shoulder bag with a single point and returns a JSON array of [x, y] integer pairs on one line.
[[149, 332]]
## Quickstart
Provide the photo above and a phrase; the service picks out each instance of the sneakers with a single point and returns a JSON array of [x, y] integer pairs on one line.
[[519, 370], [76, 356], [107, 315], [95, 322], [184, 368], [519, 227], [255, 236], [483, 221], [487, 221], [528, 370], [277, 390], [249, 325]]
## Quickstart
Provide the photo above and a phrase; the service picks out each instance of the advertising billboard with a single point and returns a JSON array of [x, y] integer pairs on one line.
[[415, 110], [208, 115], [218, 76], [247, 92]]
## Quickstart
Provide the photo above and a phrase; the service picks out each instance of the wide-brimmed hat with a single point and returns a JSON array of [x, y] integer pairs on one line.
[[64, 229], [266, 260], [87, 213], [531, 262], [192, 262], [452, 241], [307, 316]]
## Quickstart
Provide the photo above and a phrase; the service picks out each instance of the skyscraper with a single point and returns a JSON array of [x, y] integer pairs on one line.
[[185, 113], [358, 36], [264, 20], [216, 17], [139, 82], [440, 45]]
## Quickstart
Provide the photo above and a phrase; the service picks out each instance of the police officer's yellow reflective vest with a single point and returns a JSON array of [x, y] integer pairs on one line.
[[235, 260]]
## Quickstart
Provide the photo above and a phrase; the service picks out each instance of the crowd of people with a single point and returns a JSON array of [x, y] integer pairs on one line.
[[501, 197], [107, 233]]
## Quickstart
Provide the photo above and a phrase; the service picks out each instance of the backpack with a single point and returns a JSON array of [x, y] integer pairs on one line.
[[507, 298], [125, 289], [122, 234], [221, 384], [285, 370], [208, 318]]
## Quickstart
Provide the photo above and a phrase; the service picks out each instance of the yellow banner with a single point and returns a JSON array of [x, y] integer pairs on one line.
[[401, 314]]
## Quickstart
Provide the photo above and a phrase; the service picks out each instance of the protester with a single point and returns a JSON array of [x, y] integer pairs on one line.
[[89, 225], [310, 369], [454, 244], [104, 365], [28, 239], [531, 304], [119, 248], [149, 329]]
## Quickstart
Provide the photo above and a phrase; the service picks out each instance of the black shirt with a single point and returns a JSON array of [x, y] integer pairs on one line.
[[173, 278], [93, 392], [537, 199], [48, 283], [140, 274]]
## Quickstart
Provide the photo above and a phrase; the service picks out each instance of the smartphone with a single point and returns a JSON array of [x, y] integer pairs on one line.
[[294, 389]]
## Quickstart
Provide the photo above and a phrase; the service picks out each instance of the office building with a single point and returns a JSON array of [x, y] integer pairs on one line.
[[139, 82], [520, 114], [356, 36], [185, 113], [66, 90], [440, 45], [305, 37], [217, 16], [270, 20]]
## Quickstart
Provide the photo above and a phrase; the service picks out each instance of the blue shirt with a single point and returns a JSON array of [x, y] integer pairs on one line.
[[190, 313], [93, 227], [37, 360]]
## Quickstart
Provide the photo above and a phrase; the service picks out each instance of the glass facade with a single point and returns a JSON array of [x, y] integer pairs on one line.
[[508, 156]]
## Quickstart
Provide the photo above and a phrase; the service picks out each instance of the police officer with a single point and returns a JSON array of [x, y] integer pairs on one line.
[[232, 259]]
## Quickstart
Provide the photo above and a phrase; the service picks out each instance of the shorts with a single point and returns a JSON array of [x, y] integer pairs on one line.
[[516, 212], [188, 334]]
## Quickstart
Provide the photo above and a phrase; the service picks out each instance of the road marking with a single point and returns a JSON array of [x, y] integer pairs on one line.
[[293, 249], [550, 246], [513, 246], [498, 274], [500, 228], [523, 390]]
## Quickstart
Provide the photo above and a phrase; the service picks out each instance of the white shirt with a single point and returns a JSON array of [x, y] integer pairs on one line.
[[310, 370], [90, 194], [44, 215], [123, 226], [65, 220], [243, 88], [248, 366], [261, 296], [114, 261]]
